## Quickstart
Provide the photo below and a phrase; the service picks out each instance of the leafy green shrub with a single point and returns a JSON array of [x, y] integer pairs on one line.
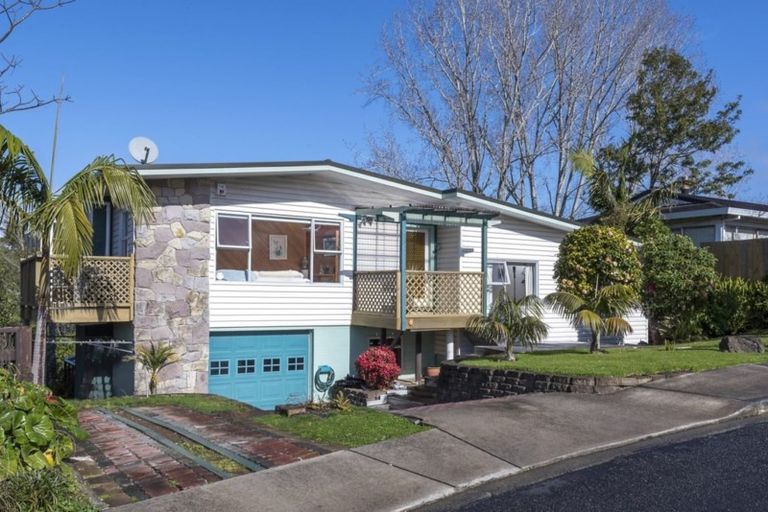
[[729, 307], [36, 428], [677, 279], [594, 257], [42, 490], [758, 305]]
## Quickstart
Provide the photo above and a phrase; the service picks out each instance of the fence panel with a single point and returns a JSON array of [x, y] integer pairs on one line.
[[16, 350], [741, 258]]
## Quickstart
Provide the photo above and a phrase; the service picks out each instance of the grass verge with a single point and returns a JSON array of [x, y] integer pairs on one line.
[[622, 362], [209, 404], [356, 427]]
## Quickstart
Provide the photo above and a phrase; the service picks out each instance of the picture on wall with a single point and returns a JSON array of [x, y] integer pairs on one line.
[[278, 247], [329, 243]]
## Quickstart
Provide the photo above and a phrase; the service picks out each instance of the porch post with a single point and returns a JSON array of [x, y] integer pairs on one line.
[[403, 269], [418, 356], [354, 262], [449, 351], [354, 245], [484, 265]]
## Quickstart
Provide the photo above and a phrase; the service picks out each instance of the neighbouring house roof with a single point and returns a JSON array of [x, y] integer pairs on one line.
[[689, 206], [454, 197], [681, 202]]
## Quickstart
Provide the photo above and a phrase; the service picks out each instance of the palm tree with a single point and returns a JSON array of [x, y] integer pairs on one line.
[[154, 358], [611, 195], [603, 313], [511, 321], [61, 220]]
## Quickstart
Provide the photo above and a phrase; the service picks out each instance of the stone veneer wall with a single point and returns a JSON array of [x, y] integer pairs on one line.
[[457, 383], [171, 295]]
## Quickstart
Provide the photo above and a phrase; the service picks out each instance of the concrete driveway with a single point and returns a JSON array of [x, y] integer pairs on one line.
[[535, 429], [477, 441]]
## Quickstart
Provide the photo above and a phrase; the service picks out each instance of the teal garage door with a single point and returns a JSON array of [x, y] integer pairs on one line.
[[260, 369]]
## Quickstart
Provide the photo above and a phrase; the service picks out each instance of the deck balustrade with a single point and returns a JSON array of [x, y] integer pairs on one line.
[[101, 291], [432, 299]]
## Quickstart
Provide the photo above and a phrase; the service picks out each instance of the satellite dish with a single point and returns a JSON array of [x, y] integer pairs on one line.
[[143, 150]]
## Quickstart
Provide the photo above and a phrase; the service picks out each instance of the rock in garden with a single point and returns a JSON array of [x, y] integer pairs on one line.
[[741, 344]]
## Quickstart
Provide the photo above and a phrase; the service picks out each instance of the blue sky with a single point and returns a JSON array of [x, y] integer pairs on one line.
[[277, 80]]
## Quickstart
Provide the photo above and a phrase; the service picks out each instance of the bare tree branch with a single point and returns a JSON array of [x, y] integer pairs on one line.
[[500, 92], [16, 98]]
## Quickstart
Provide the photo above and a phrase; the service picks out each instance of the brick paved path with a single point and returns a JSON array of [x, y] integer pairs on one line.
[[122, 465], [239, 434]]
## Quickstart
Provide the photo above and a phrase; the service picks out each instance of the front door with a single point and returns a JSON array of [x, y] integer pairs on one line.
[[417, 249], [417, 259]]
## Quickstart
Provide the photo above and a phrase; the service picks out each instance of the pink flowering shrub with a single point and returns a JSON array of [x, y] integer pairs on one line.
[[378, 367]]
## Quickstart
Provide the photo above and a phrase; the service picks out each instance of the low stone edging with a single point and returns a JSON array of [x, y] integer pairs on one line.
[[458, 383]]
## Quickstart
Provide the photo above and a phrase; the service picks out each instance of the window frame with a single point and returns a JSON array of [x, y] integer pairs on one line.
[[533, 265], [246, 367], [225, 215], [311, 221], [271, 365], [296, 363], [491, 282], [222, 364]]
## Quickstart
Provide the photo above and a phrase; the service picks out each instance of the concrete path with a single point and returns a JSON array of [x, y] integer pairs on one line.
[[478, 441]]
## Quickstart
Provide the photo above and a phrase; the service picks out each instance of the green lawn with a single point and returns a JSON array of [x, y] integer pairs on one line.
[[210, 404], [352, 428], [356, 427], [623, 362]]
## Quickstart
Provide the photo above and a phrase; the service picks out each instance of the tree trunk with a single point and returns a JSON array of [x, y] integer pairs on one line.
[[595, 345], [38, 351], [153, 383], [510, 351]]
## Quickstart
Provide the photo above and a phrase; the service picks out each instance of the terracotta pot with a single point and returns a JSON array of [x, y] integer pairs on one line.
[[433, 371]]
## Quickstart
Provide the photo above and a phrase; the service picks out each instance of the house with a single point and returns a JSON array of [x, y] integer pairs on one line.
[[259, 274], [712, 219]]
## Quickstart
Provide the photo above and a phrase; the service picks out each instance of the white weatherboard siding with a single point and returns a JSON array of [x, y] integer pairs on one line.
[[448, 248], [256, 305], [524, 242]]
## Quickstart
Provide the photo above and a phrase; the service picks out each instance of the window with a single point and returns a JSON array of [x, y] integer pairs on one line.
[[233, 245], [271, 365], [327, 252], [246, 366], [280, 246], [122, 233], [497, 274], [700, 235], [295, 364], [219, 367], [277, 250], [516, 279]]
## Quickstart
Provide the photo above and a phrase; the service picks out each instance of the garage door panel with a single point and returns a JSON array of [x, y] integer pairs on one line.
[[261, 369]]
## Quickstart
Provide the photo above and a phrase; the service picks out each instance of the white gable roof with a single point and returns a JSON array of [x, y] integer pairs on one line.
[[402, 190]]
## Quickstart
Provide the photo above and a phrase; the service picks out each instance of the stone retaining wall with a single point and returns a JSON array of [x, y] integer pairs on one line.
[[457, 383], [171, 296]]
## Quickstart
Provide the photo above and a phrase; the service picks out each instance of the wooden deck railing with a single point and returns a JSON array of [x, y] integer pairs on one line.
[[432, 299], [102, 290]]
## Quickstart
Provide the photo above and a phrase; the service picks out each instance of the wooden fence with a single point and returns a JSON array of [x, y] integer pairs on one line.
[[16, 350], [741, 258]]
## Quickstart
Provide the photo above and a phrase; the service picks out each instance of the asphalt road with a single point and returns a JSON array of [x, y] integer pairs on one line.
[[718, 471]]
